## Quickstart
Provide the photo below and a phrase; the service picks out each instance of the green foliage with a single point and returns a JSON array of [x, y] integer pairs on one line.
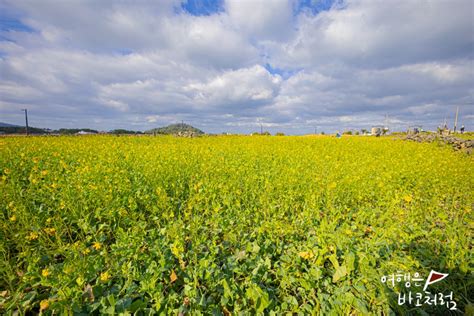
[[220, 225], [124, 132], [21, 130], [265, 133], [34, 130]]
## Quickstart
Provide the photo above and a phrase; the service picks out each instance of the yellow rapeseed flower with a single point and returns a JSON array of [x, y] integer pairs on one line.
[[80, 281], [50, 231], [105, 276], [96, 245], [44, 304], [32, 236], [306, 254], [44, 172], [45, 272], [13, 218], [175, 250], [408, 198], [173, 276]]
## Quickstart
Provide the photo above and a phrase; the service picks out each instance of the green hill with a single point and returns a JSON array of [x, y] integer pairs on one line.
[[2, 124], [21, 130], [179, 129]]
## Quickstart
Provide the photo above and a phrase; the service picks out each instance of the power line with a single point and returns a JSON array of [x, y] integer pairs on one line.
[[456, 119], [26, 120]]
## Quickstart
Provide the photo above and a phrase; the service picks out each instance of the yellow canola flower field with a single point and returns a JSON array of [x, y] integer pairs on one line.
[[230, 224]]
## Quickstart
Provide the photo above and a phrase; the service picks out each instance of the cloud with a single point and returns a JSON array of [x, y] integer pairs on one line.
[[246, 63], [262, 19], [380, 34], [245, 87]]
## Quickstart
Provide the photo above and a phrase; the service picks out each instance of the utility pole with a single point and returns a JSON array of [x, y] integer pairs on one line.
[[26, 120], [261, 129], [456, 119]]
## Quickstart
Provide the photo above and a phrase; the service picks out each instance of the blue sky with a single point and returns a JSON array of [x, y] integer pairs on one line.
[[208, 7], [232, 65], [8, 23], [203, 7], [11, 20]]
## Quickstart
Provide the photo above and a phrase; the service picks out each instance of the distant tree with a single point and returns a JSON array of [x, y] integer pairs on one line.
[[322, 133], [357, 132], [347, 133], [280, 134], [124, 131], [364, 131], [265, 133], [21, 130]]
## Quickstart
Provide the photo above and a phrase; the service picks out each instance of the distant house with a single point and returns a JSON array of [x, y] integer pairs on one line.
[[376, 130], [85, 133]]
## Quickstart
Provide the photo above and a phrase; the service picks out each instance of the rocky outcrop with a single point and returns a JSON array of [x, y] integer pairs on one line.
[[188, 134]]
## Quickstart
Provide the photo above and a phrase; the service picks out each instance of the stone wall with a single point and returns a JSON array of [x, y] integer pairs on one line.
[[464, 145]]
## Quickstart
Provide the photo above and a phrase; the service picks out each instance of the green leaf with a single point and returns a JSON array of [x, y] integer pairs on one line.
[[333, 259], [341, 271], [227, 290], [259, 298], [137, 305], [255, 248], [349, 261]]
